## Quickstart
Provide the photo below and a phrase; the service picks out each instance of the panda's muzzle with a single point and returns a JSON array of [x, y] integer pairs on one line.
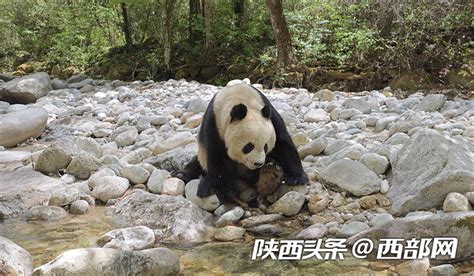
[[259, 165]]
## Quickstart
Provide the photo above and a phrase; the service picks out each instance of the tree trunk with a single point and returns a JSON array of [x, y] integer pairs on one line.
[[207, 24], [285, 55], [195, 35], [239, 8], [126, 28], [169, 9]]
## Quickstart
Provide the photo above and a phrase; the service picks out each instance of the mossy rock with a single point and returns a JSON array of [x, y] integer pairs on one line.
[[412, 80]]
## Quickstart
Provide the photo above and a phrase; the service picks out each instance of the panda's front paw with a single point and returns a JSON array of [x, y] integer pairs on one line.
[[205, 188], [292, 180]]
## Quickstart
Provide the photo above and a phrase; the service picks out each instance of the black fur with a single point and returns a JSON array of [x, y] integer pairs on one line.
[[238, 112], [222, 172]]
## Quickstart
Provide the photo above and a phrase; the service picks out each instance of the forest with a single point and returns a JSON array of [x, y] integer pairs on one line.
[[339, 44]]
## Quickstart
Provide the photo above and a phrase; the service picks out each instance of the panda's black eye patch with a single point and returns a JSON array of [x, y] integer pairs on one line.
[[248, 148], [265, 148]]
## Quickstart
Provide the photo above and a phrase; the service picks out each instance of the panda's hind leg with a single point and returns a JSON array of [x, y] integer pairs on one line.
[[191, 171]]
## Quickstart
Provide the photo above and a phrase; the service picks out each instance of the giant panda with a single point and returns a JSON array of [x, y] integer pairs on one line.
[[240, 132]]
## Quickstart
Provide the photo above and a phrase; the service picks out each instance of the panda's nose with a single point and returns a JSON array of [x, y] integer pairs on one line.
[[258, 165]]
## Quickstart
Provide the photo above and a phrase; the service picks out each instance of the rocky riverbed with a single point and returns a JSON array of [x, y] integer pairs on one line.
[[380, 167]]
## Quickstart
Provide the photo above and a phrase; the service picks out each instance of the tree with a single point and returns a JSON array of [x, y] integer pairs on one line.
[[126, 27], [239, 8], [169, 9], [282, 36], [195, 30]]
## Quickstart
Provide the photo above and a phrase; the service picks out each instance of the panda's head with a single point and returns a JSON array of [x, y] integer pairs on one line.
[[250, 135]]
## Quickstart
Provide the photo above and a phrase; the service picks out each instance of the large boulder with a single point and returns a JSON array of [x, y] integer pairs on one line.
[[23, 188], [14, 260], [26, 89], [175, 159], [16, 127], [428, 168], [458, 225], [108, 261], [178, 219]]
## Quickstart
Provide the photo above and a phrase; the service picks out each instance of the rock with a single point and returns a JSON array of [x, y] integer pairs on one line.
[[380, 219], [79, 207], [137, 156], [384, 122], [178, 140], [23, 188], [324, 95], [16, 127], [432, 102], [193, 121], [178, 219], [289, 204], [314, 148], [173, 186], [351, 229], [397, 139], [351, 176], [135, 174], [209, 203], [427, 225], [316, 115], [456, 202], [110, 187], [126, 138], [131, 238], [109, 261], [57, 84], [314, 232], [76, 78], [442, 270], [63, 197], [430, 166], [174, 160], [348, 113], [196, 105], [338, 200], [261, 219], [367, 202], [231, 217], [58, 155], [26, 89], [229, 233], [318, 203], [14, 260], [156, 180], [47, 213], [265, 230], [82, 165], [413, 267], [358, 103], [374, 162], [470, 197], [96, 177]]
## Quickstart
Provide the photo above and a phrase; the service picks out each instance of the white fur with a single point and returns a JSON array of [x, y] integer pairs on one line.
[[253, 128]]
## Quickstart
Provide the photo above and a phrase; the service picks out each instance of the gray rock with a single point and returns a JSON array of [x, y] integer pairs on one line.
[[131, 238], [265, 230], [176, 217], [229, 233], [384, 122], [26, 89], [314, 148], [16, 127], [64, 196], [126, 138], [156, 180], [432, 102], [456, 225], [82, 165], [57, 84], [324, 95], [337, 145], [209, 203], [351, 176], [380, 219], [79, 207], [314, 232], [430, 166], [230, 217], [397, 139], [351, 229], [289, 204], [96, 177], [110, 187], [109, 261], [470, 197], [11, 206], [442, 270], [76, 78], [173, 186], [137, 156], [413, 267], [261, 219], [174, 160], [348, 113], [47, 213], [456, 202], [135, 174], [316, 115], [196, 105], [358, 103], [14, 259], [376, 163]]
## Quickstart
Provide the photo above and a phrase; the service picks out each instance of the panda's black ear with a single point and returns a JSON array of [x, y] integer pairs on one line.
[[266, 112], [238, 112]]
